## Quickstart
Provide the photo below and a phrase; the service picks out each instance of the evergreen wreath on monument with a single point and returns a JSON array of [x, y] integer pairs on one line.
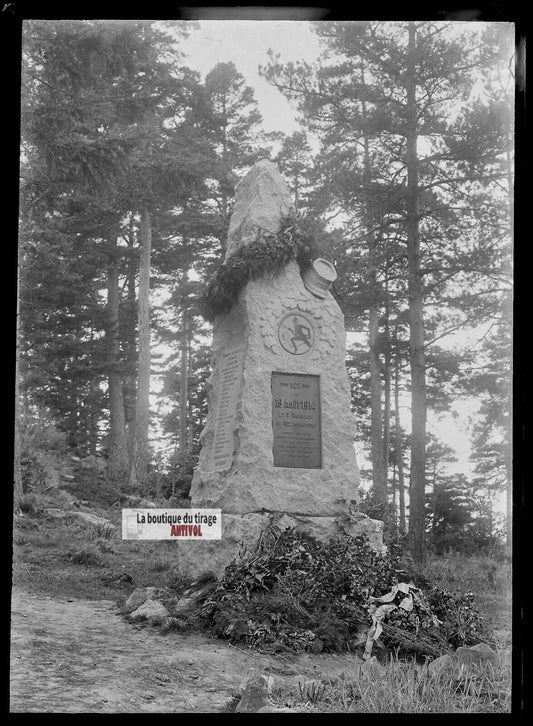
[[268, 253]]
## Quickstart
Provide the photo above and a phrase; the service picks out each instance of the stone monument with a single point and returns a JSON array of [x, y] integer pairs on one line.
[[278, 439]]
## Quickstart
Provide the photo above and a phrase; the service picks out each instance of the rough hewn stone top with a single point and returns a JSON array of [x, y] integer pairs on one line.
[[262, 200]]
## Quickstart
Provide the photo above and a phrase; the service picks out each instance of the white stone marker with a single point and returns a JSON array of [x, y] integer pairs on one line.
[[279, 433]]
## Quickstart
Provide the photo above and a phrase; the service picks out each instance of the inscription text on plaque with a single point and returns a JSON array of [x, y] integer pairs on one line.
[[229, 387], [296, 420]]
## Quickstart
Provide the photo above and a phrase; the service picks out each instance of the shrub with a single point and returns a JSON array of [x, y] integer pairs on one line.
[[175, 483], [32, 471], [37, 431]]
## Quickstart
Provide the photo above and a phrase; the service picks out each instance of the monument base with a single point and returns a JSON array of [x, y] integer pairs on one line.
[[239, 530]]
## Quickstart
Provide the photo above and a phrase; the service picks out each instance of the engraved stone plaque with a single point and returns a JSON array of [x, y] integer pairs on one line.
[[229, 385], [296, 421]]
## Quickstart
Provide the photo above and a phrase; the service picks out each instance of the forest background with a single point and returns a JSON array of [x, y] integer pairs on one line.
[[401, 166]]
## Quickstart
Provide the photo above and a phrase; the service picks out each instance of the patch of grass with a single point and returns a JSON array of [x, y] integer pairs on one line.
[[86, 554], [101, 531], [160, 565], [106, 547], [478, 573], [407, 687]]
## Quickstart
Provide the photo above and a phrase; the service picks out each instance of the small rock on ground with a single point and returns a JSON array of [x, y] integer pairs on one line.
[[139, 596], [477, 655], [255, 695], [152, 610]]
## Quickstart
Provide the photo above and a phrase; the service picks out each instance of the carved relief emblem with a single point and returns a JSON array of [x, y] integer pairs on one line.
[[296, 333]]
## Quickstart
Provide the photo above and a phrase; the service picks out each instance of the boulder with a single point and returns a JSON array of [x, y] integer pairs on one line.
[[505, 657], [439, 666], [192, 597], [476, 656], [92, 519], [139, 596], [152, 610], [256, 695]]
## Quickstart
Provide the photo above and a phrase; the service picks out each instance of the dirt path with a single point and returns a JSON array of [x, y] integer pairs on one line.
[[80, 656]]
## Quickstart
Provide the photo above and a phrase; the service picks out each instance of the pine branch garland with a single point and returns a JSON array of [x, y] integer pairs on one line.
[[269, 253]]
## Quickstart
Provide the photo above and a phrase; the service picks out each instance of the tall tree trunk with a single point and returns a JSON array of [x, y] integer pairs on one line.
[[376, 438], [140, 454], [93, 430], [398, 445], [17, 471], [386, 389], [434, 518], [118, 452], [184, 372], [379, 482], [509, 512], [130, 340], [416, 320], [508, 458], [394, 502]]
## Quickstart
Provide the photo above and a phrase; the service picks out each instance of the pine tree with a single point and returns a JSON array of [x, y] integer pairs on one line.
[[382, 110], [97, 155], [235, 119], [296, 165], [491, 380]]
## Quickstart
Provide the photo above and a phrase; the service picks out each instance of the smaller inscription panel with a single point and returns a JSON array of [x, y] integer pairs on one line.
[[297, 440], [229, 387]]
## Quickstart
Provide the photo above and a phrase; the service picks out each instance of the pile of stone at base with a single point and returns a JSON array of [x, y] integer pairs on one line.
[[278, 439], [160, 606]]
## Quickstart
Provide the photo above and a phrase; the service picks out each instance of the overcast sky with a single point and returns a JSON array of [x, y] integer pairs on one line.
[[245, 43]]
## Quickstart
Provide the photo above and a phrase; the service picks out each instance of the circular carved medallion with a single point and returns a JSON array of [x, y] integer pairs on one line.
[[296, 333]]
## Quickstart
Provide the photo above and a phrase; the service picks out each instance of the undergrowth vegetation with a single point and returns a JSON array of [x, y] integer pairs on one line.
[[294, 593], [406, 687]]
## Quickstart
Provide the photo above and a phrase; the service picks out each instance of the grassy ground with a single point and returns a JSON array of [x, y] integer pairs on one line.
[[68, 558], [406, 687]]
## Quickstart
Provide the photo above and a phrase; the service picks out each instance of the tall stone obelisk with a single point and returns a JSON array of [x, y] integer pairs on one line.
[[278, 439]]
